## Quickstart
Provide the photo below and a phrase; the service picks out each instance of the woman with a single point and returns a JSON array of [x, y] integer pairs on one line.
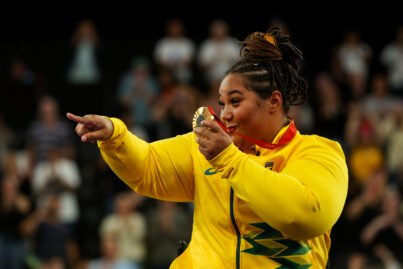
[[264, 195]]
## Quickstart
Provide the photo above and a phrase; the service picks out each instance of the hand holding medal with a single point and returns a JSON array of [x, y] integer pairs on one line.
[[205, 117], [212, 139]]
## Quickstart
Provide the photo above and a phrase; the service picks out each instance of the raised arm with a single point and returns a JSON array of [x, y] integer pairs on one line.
[[163, 169]]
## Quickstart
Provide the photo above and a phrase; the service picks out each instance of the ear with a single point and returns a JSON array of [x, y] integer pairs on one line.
[[275, 101]]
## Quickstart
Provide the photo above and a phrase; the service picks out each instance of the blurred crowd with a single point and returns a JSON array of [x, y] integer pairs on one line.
[[62, 207]]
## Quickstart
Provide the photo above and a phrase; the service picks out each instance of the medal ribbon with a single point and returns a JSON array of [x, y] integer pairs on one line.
[[287, 136]]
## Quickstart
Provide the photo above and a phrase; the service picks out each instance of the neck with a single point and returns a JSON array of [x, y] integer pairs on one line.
[[271, 132], [276, 125]]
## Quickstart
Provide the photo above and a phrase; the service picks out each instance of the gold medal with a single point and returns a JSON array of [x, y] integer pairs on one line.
[[202, 113]]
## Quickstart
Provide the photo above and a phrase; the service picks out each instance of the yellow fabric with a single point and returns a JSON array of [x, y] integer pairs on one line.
[[283, 201]]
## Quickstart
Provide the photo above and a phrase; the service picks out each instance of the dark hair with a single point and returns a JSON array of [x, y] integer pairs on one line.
[[271, 62]]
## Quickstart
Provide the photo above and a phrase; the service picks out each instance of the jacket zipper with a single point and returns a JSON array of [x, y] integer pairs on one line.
[[238, 234]]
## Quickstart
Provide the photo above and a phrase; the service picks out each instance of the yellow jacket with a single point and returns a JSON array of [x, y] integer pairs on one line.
[[274, 209]]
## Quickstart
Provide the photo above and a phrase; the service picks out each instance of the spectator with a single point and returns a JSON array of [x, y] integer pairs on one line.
[[366, 155], [15, 165], [132, 125], [162, 103], [304, 118], [18, 103], [15, 208], [84, 74], [48, 131], [128, 227], [329, 109], [387, 257], [391, 57], [7, 139], [392, 127], [180, 111], [84, 68], [58, 176], [355, 56], [175, 51], [109, 258], [387, 227], [357, 260], [218, 52], [137, 90], [52, 238], [363, 206], [169, 223], [378, 102], [339, 76]]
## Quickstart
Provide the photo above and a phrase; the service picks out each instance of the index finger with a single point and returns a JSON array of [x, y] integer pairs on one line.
[[77, 119], [212, 125]]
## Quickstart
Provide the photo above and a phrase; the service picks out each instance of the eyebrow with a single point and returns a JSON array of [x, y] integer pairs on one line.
[[232, 92]]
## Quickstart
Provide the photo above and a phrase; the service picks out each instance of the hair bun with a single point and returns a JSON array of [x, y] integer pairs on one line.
[[271, 46], [260, 46]]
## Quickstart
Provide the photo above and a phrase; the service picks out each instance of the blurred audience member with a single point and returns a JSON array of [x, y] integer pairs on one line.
[[183, 105], [175, 51], [49, 131], [58, 176], [137, 129], [18, 101], [218, 52], [162, 128], [52, 238], [329, 109], [386, 227], [357, 260], [339, 76], [364, 204], [137, 90], [84, 68], [84, 72], [378, 102], [7, 139], [392, 127], [304, 118], [128, 227], [355, 56], [109, 257], [366, 154], [168, 224], [387, 257], [15, 208], [391, 57], [15, 165]]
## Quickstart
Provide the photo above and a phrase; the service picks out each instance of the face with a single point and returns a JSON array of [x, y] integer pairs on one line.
[[243, 111]]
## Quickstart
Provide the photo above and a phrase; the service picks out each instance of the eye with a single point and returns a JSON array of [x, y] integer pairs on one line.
[[220, 103], [235, 101]]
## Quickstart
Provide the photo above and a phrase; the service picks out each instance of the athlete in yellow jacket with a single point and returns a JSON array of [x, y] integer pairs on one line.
[[264, 195]]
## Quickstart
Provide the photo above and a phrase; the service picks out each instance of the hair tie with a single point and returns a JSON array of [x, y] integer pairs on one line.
[[271, 39]]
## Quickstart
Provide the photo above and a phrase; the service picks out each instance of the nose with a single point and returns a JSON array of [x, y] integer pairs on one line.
[[226, 114]]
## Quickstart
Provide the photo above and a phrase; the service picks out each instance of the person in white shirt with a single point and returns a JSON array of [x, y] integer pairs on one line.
[[175, 51], [218, 52], [58, 176]]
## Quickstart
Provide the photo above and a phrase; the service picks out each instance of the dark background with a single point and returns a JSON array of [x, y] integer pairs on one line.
[[41, 34]]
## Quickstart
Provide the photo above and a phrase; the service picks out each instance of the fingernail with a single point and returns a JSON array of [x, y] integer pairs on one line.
[[84, 138]]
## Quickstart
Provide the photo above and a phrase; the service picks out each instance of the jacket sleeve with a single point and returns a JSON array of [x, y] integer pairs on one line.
[[302, 201], [162, 169]]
